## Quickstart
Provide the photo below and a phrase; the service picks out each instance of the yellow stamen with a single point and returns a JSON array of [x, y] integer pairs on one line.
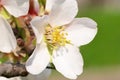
[[55, 37]]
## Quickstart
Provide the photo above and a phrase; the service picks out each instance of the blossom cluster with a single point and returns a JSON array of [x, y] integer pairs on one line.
[[45, 32]]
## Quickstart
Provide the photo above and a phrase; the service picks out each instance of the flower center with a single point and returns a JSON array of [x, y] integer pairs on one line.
[[55, 37]]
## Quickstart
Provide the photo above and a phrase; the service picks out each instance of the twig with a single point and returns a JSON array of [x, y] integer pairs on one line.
[[12, 70]]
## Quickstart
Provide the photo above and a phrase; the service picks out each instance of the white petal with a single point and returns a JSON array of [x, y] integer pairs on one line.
[[8, 41], [81, 31], [38, 24], [39, 60], [68, 61], [15, 78], [42, 76], [49, 4], [16, 7], [62, 12], [3, 78]]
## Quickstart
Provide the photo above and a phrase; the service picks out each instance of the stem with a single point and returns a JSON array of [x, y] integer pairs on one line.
[[12, 70]]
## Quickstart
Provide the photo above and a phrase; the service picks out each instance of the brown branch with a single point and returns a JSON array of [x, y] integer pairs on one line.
[[12, 70]]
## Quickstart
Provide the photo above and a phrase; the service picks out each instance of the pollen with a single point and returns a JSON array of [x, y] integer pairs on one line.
[[55, 37]]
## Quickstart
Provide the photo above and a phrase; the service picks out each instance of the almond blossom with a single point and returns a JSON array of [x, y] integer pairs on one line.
[[15, 78], [8, 41], [59, 35], [3, 78], [16, 7]]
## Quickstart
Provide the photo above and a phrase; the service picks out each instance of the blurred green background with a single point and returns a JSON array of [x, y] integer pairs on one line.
[[104, 50], [102, 55]]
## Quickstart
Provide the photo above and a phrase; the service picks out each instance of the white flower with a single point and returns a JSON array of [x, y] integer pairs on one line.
[[42, 76], [3, 78], [59, 36], [16, 7], [15, 78], [8, 41]]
